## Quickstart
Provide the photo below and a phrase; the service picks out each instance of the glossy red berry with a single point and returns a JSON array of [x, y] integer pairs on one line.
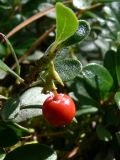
[[59, 110]]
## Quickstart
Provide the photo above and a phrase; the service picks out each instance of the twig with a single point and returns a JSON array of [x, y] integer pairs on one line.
[[34, 45]]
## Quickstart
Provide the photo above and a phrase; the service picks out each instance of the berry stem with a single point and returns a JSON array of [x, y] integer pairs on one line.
[[55, 94]]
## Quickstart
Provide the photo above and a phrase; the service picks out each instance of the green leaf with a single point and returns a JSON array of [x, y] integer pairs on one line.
[[5, 7], [20, 130], [14, 131], [30, 103], [5, 68], [2, 154], [32, 152], [68, 68], [85, 109], [10, 110], [8, 136], [109, 63], [12, 52], [82, 4], [117, 99], [98, 77], [118, 65], [67, 23], [103, 133], [81, 33], [14, 55]]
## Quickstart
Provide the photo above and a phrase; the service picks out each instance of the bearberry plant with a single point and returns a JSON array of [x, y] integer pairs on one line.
[[60, 80]]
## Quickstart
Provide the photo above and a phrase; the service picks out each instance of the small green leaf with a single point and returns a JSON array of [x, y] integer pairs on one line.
[[5, 68], [98, 77], [103, 133], [30, 103], [8, 135], [68, 69], [33, 96], [20, 130], [118, 65], [2, 154], [12, 52], [67, 23], [85, 109], [109, 63], [81, 33], [32, 152], [4, 7], [117, 99], [28, 113], [14, 55]]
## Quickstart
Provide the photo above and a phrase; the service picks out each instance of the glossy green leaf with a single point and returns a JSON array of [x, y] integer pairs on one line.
[[68, 68], [118, 65], [20, 130], [86, 109], [98, 77], [81, 33], [5, 68], [2, 154], [10, 133], [5, 7], [32, 152], [110, 64], [28, 113], [62, 54], [8, 136], [117, 99], [30, 103], [82, 4], [66, 22], [103, 133], [10, 110]]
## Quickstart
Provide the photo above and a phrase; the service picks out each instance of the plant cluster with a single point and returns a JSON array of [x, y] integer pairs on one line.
[[60, 80]]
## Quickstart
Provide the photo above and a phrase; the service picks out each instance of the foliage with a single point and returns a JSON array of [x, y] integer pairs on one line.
[[69, 46]]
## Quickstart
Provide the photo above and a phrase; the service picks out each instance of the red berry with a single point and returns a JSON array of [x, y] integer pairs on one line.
[[59, 110]]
